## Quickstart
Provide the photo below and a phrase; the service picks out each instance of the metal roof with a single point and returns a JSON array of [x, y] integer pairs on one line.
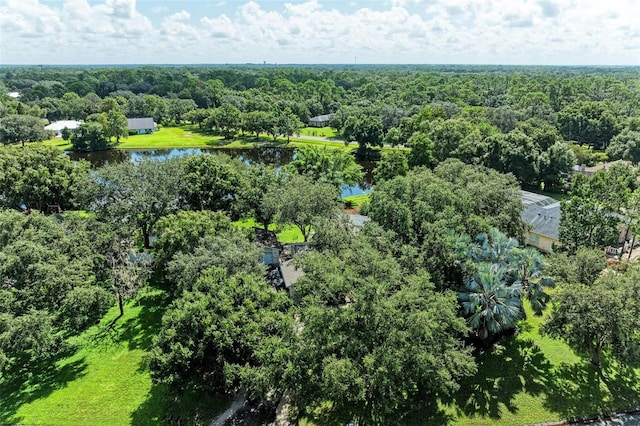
[[542, 213], [140, 123]]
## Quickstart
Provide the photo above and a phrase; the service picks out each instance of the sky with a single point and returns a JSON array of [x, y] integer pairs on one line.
[[519, 32]]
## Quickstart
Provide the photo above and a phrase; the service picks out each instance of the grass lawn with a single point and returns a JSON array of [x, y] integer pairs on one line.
[[104, 381], [290, 233], [533, 378], [357, 200], [326, 132]]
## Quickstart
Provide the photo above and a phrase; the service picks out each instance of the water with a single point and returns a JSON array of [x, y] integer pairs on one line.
[[274, 156]]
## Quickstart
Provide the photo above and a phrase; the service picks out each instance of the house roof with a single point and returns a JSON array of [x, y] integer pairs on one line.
[[59, 125], [140, 123], [542, 213], [325, 117]]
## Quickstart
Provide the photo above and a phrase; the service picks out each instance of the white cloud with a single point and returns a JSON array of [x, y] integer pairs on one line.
[[408, 31]]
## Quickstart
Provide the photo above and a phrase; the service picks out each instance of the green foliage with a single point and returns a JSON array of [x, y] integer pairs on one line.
[[90, 136], [301, 201], [590, 217], [375, 343], [137, 195], [625, 146], [588, 122], [421, 207], [49, 289], [37, 176], [599, 317], [583, 267], [182, 231], [211, 182], [232, 250], [335, 167], [218, 335], [393, 163], [16, 128]]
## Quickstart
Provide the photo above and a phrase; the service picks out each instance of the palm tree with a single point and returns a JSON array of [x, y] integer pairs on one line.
[[527, 268], [491, 303]]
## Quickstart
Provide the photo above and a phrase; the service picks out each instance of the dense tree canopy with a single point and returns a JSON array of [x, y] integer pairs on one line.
[[37, 176]]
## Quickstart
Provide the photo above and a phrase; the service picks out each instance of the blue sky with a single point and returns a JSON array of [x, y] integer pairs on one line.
[[548, 32]]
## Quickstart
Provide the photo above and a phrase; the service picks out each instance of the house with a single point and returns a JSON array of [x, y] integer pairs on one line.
[[320, 120], [14, 95], [542, 214], [141, 126], [590, 171], [58, 126]]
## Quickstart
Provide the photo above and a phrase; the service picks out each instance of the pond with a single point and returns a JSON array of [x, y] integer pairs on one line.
[[275, 156]]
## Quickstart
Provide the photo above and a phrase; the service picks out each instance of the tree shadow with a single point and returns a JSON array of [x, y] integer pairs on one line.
[[136, 332], [29, 382], [582, 388], [189, 408], [514, 367]]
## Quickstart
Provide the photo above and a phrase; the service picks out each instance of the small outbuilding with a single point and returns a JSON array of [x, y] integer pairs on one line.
[[141, 126], [320, 120]]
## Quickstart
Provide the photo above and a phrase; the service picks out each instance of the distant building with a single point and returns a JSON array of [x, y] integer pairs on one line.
[[141, 126], [542, 213], [590, 171], [320, 121], [14, 95], [58, 126]]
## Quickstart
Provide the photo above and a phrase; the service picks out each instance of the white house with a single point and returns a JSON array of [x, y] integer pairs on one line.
[[58, 126]]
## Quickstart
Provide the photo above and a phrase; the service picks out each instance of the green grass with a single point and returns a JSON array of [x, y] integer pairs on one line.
[[326, 132], [105, 381], [357, 200], [533, 378], [289, 234]]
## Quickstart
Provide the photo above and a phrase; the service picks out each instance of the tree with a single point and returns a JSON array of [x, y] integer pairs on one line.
[[50, 289], [258, 181], [115, 125], [37, 176], [15, 128], [365, 129], [211, 182], [374, 343], [625, 146], [217, 335], [590, 217], [555, 166], [421, 207], [491, 304], [288, 123], [393, 163], [228, 119], [137, 195], [301, 201], [592, 319], [422, 151], [90, 136], [128, 269], [588, 122], [333, 166]]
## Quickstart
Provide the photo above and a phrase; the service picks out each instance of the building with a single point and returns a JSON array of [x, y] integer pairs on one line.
[[542, 214], [590, 171], [141, 126], [320, 121], [58, 126], [14, 95]]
